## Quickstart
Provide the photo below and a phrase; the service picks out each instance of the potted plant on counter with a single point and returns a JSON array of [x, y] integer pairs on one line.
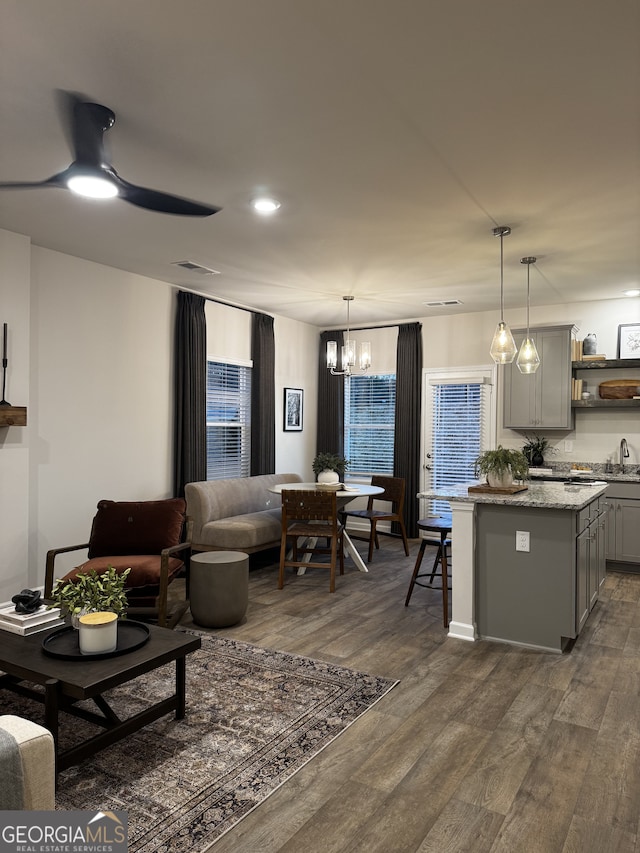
[[501, 466], [329, 467], [534, 449]]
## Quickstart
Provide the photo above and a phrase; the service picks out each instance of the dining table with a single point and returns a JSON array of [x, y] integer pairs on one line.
[[344, 495]]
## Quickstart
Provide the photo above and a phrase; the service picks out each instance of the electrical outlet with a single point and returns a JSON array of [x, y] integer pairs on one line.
[[522, 540], [568, 446]]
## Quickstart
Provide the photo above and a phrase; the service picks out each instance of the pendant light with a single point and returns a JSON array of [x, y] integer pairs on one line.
[[503, 347], [348, 352], [528, 360]]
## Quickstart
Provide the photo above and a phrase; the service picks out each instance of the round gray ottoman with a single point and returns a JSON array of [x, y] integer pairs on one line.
[[219, 588]]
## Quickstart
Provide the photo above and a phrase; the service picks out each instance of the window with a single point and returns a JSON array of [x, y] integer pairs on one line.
[[369, 421], [228, 420], [459, 429]]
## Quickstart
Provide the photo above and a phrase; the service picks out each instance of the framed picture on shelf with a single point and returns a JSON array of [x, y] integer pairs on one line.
[[293, 399], [629, 340]]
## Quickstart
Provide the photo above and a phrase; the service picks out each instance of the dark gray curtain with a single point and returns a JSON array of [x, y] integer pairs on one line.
[[190, 376], [263, 399], [406, 453], [330, 432]]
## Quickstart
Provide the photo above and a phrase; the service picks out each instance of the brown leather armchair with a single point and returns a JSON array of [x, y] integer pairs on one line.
[[150, 537]]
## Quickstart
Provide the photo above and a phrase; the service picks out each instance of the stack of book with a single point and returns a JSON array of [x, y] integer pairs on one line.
[[29, 623]]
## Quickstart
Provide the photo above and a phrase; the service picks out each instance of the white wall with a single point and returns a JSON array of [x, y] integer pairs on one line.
[[15, 251]]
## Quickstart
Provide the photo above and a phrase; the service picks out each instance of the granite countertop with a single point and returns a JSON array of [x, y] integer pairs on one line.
[[546, 495], [610, 477]]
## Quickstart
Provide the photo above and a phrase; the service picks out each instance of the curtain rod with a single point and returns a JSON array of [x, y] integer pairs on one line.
[[220, 301]]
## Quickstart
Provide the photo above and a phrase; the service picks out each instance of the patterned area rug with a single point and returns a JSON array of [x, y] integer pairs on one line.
[[254, 717]]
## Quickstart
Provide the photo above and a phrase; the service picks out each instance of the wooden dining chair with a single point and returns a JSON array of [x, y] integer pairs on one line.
[[312, 515], [394, 488]]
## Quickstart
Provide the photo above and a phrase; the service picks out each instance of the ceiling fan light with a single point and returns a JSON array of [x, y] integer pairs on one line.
[[503, 347], [92, 186]]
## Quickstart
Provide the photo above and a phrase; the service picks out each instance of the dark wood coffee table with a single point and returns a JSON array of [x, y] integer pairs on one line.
[[69, 681]]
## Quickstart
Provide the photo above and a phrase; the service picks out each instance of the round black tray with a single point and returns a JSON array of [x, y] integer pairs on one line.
[[64, 642]]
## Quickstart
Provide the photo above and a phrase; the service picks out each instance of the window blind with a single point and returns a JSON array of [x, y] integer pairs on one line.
[[369, 423], [228, 420], [459, 423]]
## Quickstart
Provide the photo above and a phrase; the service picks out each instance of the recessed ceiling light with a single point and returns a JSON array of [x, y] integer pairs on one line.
[[265, 205], [631, 292]]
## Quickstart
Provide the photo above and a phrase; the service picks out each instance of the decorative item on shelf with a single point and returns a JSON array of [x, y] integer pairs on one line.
[[590, 345], [329, 467], [629, 340], [503, 347], [348, 360], [502, 466], [619, 389], [91, 592], [528, 360], [534, 449]]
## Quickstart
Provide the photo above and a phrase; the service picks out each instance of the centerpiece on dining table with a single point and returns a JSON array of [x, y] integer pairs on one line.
[[329, 469]]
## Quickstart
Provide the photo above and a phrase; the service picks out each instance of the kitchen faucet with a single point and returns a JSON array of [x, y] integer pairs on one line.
[[624, 454]]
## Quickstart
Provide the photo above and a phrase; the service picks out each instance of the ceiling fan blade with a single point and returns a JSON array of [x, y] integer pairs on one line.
[[85, 124], [161, 202], [53, 181]]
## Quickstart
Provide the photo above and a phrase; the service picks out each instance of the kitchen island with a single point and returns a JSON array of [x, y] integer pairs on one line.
[[541, 597]]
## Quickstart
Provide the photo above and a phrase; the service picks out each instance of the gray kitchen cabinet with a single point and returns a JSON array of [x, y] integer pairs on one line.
[[623, 523], [543, 597], [540, 400]]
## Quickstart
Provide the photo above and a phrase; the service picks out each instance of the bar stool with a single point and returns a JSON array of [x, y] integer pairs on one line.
[[441, 525]]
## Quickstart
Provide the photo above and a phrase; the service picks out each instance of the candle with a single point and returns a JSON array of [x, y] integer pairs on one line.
[[4, 345]]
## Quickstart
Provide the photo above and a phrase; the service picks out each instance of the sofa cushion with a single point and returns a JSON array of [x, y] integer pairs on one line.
[[136, 527], [250, 530]]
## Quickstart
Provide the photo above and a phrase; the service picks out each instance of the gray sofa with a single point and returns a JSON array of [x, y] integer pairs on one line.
[[236, 515]]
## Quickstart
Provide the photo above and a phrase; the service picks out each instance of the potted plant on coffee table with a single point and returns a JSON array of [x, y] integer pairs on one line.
[[94, 601], [502, 466], [329, 467]]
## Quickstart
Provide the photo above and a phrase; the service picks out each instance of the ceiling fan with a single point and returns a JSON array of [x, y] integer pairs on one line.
[[91, 174]]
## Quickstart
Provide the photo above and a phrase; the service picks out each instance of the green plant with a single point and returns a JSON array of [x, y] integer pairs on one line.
[[536, 444], [500, 461], [90, 591], [330, 462]]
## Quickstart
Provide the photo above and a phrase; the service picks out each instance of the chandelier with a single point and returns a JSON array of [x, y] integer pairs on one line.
[[348, 360]]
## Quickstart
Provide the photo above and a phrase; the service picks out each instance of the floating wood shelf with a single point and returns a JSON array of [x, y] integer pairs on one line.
[[597, 403], [607, 364], [13, 416]]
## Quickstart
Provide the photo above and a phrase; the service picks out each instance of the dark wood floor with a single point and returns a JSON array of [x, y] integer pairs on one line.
[[481, 747]]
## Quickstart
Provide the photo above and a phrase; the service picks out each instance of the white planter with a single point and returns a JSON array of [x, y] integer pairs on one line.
[[500, 482], [98, 633], [328, 477]]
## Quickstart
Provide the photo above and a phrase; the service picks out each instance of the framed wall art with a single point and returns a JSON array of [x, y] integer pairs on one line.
[[629, 340], [293, 400]]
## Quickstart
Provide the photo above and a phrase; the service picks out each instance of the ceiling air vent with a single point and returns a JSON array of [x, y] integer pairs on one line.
[[442, 303], [193, 267]]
